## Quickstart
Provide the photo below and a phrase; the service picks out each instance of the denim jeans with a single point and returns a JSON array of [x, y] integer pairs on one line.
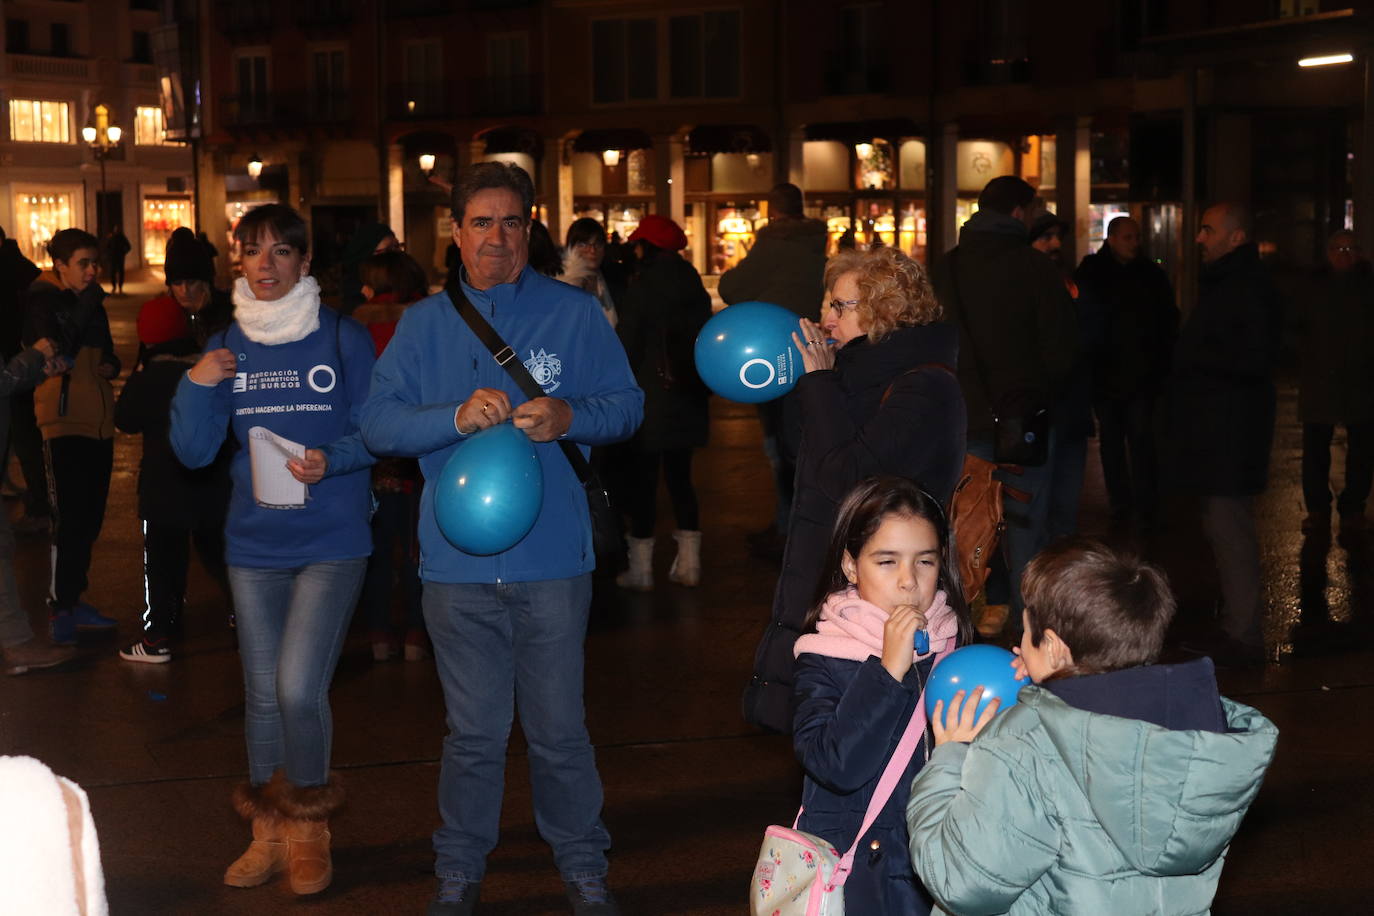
[[502, 647], [291, 627], [1027, 530]]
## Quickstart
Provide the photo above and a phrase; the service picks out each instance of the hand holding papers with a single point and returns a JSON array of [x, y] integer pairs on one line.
[[274, 486]]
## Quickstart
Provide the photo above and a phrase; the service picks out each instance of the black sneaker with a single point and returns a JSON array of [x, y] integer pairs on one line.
[[455, 897], [155, 652], [591, 897]]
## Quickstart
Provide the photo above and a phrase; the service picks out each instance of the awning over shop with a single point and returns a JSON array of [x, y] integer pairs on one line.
[[596, 141], [512, 140], [863, 131], [708, 139]]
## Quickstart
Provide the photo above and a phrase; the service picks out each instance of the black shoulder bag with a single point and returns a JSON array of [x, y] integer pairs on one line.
[[1020, 417], [606, 537]]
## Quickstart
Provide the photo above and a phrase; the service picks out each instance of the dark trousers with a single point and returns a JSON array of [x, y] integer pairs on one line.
[[166, 557], [27, 444], [116, 274], [1126, 444], [78, 485], [677, 474], [393, 540], [1316, 467]]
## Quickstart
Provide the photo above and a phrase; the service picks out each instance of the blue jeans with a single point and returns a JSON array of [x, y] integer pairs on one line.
[[501, 647], [291, 627], [1027, 530]]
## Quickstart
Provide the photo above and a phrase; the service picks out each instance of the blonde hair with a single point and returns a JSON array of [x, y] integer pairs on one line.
[[894, 290]]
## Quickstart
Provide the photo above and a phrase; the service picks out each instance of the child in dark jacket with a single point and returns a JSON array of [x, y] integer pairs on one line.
[[859, 680], [1114, 785]]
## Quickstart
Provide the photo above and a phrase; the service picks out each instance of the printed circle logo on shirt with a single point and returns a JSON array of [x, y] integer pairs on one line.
[[321, 378]]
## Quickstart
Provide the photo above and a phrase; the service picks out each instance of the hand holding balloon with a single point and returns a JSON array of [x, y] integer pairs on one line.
[[899, 634], [957, 723], [484, 409], [543, 419], [816, 352]]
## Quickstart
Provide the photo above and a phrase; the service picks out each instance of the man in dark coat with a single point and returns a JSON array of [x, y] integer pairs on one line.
[[117, 248], [1336, 334], [784, 267], [1223, 416], [1133, 296], [17, 273], [1019, 332]]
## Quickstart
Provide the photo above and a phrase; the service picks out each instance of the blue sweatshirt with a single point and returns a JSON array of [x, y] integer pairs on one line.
[[433, 365], [309, 391]]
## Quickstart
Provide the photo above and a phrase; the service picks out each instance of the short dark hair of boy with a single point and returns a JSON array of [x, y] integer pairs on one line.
[[68, 242], [1005, 194], [394, 273], [482, 176], [1110, 608], [276, 220]]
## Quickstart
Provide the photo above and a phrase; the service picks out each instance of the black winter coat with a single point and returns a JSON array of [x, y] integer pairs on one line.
[[1336, 345], [662, 313], [848, 432], [1014, 303], [17, 273], [1222, 390], [850, 717], [1140, 323], [169, 493]]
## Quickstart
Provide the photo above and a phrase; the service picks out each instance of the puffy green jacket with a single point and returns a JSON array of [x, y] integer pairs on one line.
[[1053, 810]]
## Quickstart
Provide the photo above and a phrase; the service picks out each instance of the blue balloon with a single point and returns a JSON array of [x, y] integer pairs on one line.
[[488, 496], [745, 352], [970, 667]]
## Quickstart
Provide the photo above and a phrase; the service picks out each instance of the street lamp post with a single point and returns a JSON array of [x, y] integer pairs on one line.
[[103, 139]]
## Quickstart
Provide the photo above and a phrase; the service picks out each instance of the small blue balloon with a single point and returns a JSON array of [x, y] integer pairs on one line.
[[745, 352], [970, 667], [488, 496]]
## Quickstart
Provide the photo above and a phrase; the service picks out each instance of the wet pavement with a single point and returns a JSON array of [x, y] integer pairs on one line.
[[689, 787]]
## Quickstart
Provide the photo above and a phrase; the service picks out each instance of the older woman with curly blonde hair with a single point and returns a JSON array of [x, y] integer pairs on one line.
[[878, 397]]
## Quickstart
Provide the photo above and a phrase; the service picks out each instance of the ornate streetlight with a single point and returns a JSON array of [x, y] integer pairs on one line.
[[103, 139]]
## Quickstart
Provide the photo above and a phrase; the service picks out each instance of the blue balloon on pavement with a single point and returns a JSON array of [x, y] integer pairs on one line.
[[488, 496], [745, 352], [970, 667]]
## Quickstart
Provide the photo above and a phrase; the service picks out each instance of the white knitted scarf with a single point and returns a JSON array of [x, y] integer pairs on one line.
[[293, 317]]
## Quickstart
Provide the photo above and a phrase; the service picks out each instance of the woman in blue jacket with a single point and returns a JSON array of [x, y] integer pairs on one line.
[[297, 369]]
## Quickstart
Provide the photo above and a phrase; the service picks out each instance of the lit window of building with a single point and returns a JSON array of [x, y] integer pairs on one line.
[[34, 121], [148, 126]]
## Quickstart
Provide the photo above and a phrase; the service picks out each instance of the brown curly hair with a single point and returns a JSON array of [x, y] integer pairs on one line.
[[894, 290]]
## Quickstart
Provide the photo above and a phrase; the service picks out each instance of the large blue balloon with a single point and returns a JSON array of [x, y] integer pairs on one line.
[[488, 496], [970, 667], [745, 352]]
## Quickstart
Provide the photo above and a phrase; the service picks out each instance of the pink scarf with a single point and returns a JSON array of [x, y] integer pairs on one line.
[[852, 628]]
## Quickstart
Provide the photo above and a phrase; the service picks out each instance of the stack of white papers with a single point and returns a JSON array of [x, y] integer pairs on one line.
[[273, 485]]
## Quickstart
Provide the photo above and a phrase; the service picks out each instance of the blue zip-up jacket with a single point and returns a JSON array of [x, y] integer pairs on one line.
[[433, 365], [310, 391]]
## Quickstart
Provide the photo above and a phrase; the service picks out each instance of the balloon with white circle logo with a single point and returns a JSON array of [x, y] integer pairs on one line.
[[745, 352]]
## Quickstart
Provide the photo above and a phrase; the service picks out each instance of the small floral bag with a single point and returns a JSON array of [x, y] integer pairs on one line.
[[801, 874]]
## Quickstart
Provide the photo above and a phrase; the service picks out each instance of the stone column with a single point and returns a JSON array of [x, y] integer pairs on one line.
[[394, 192], [1074, 180], [942, 191], [669, 176]]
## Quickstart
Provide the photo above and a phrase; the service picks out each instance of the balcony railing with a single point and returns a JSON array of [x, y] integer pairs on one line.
[[240, 17], [37, 66], [287, 110], [512, 95], [417, 100], [318, 13]]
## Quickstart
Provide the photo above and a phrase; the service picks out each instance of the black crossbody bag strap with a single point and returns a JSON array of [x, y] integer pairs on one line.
[[505, 358]]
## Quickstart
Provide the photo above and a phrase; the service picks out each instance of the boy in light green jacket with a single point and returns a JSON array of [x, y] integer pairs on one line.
[[1113, 786]]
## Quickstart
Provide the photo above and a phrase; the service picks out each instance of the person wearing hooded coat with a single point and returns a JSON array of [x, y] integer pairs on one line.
[[181, 507], [885, 401], [370, 239], [663, 312]]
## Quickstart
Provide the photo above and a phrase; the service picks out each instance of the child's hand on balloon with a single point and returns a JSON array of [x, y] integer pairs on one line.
[[1018, 664], [958, 724]]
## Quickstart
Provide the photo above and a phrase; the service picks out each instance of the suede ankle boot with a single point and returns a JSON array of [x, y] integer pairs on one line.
[[686, 568], [306, 811], [640, 576], [266, 855]]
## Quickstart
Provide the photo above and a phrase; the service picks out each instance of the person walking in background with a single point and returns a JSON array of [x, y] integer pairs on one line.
[[369, 239], [585, 266], [665, 308], [511, 624], [1223, 405], [75, 412], [785, 267], [392, 280], [116, 249], [1139, 327], [180, 507], [1336, 348], [298, 370], [1018, 346], [17, 273]]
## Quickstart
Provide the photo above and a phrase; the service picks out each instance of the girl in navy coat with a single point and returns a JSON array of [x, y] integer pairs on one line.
[[887, 576]]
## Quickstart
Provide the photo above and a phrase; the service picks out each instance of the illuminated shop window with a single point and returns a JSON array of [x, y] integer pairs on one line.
[[34, 121], [37, 218], [161, 217]]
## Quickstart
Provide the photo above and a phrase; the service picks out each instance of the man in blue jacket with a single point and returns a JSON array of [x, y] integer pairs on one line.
[[511, 624]]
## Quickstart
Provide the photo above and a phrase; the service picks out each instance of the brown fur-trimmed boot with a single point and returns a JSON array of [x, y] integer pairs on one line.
[[266, 855], [306, 812]]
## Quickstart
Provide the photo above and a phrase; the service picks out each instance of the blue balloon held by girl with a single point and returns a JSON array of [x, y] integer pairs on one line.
[[964, 669], [745, 352], [488, 496]]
